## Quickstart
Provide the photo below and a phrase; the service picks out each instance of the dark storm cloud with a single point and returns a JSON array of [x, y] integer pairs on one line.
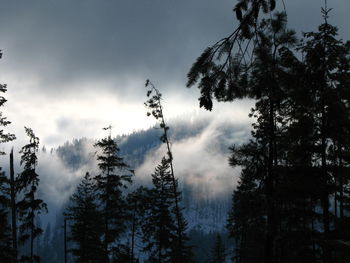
[[72, 41], [66, 45]]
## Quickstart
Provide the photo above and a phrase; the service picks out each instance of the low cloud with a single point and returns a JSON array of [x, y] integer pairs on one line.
[[57, 180], [201, 161]]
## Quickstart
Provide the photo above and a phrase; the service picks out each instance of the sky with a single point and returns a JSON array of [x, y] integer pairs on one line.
[[74, 67]]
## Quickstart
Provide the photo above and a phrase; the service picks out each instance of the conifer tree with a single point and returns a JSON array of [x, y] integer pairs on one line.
[[4, 137], [159, 228], [218, 68], [6, 246], [85, 223], [223, 71], [13, 197], [260, 80], [310, 117], [114, 178], [29, 207], [297, 159], [326, 62], [182, 252], [247, 222]]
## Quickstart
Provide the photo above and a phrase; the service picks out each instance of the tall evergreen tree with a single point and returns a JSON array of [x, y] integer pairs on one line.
[[247, 221], [6, 251], [4, 137], [310, 117], [159, 226], [85, 223], [29, 207], [13, 197], [114, 178], [258, 79], [326, 61], [182, 252], [6, 246]]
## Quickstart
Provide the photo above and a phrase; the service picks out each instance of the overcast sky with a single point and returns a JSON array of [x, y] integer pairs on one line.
[[75, 66]]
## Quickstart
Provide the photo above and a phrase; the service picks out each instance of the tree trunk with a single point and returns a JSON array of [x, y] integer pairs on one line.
[[13, 207], [324, 193], [133, 233], [65, 240], [269, 246]]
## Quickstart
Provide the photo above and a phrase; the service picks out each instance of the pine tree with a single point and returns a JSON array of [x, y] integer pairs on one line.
[[247, 11], [278, 161], [310, 118], [4, 137], [6, 246], [13, 197], [6, 249], [261, 81], [297, 160], [114, 178], [247, 220], [326, 61], [181, 252], [29, 207], [237, 77], [85, 223], [217, 70], [159, 224]]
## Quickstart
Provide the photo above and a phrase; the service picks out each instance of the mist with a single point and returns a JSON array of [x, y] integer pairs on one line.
[[200, 148]]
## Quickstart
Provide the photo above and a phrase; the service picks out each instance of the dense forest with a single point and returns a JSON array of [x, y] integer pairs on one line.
[[292, 200]]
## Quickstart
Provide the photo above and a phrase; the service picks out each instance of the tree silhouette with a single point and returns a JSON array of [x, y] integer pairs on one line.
[[182, 251], [261, 81], [6, 251], [218, 70], [85, 223], [294, 162], [6, 247], [29, 207], [159, 226], [326, 61], [114, 178]]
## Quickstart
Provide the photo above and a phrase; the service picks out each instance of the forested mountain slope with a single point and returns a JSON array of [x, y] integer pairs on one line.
[[201, 164]]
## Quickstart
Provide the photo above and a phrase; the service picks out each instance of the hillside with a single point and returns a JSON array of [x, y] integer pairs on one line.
[[206, 189]]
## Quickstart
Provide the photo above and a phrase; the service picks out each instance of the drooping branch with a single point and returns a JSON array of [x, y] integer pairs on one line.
[[217, 70]]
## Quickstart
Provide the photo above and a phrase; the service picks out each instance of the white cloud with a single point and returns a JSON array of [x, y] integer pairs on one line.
[[200, 161], [57, 181]]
